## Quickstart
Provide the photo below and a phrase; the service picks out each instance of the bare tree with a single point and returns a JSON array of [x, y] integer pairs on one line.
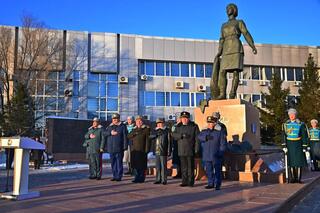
[[36, 53]]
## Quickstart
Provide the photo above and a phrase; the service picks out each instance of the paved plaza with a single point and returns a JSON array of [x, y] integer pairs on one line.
[[71, 191]]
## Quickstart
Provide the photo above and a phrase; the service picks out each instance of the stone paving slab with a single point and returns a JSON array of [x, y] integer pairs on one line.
[[70, 191]]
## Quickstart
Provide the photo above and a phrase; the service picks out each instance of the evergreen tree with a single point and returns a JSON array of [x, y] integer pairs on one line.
[[275, 111], [19, 119], [309, 102]]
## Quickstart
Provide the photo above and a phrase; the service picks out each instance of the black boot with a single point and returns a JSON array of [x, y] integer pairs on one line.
[[315, 165], [291, 175], [299, 174]]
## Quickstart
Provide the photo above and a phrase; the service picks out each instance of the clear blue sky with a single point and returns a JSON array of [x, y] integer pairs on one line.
[[269, 21]]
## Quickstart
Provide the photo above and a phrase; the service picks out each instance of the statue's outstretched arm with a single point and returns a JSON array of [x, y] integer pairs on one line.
[[247, 36]]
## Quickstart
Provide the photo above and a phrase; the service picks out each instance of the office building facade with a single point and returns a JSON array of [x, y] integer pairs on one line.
[[154, 76]]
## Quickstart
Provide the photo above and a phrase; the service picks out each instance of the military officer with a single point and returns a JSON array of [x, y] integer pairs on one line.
[[175, 156], [213, 141], [295, 139], [139, 149], [217, 116], [161, 138], [188, 146], [116, 144], [314, 133], [94, 142]]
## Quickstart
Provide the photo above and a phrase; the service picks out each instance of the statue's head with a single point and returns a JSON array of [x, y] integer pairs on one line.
[[232, 9]]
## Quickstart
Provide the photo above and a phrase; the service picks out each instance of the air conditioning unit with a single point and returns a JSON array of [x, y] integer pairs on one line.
[[67, 92], [263, 83], [171, 117], [123, 80], [146, 117], [297, 83], [144, 77], [179, 84], [202, 88]]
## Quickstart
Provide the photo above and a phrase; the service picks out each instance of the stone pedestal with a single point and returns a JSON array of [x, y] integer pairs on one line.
[[240, 117]]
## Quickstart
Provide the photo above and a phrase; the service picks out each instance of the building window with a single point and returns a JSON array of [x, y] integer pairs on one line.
[[150, 68], [160, 99], [277, 71], [208, 70], [50, 103], [102, 89], [255, 73], [192, 99], [199, 97], [175, 99], [185, 99], [112, 89], [192, 70], [112, 104], [149, 99], [76, 75], [298, 72], [141, 68], [255, 98], [93, 104], [102, 104], [268, 73], [52, 75], [199, 70], [93, 76], [174, 69], [75, 103], [93, 89], [184, 70], [75, 89], [290, 74], [168, 99], [61, 76], [112, 77], [160, 68], [167, 69]]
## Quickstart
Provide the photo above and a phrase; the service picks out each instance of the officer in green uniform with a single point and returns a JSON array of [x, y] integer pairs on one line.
[[295, 139], [314, 136], [94, 142]]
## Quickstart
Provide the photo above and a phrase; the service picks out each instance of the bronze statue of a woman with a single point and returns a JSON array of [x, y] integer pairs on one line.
[[231, 53]]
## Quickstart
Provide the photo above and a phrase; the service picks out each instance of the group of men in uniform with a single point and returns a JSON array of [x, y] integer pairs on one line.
[[184, 141], [135, 140], [297, 141]]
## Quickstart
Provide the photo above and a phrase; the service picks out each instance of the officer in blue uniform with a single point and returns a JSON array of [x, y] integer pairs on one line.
[[213, 141], [116, 144], [314, 137], [295, 139]]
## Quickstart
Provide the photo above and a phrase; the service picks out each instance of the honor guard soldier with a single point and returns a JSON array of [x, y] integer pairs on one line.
[[295, 139], [188, 146], [94, 142], [213, 141], [314, 134], [116, 139]]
